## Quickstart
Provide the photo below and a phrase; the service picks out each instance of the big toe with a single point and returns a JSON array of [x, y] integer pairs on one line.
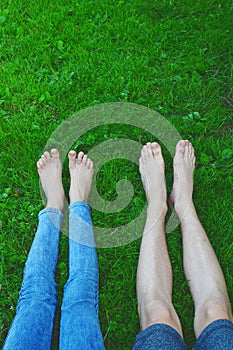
[[157, 152], [180, 147], [72, 155], [156, 149], [72, 158], [191, 150], [188, 150], [190, 154], [143, 152], [55, 153]]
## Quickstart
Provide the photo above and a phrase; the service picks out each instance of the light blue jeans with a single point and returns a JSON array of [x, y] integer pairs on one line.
[[32, 326]]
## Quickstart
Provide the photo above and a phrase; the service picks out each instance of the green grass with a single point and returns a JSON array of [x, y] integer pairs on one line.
[[60, 57]]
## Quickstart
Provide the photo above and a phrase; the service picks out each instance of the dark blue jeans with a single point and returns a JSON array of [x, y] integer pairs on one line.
[[218, 335], [32, 326]]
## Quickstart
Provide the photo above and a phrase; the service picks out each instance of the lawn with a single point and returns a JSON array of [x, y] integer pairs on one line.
[[60, 57]]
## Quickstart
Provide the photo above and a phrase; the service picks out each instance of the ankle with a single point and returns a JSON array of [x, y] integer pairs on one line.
[[156, 211], [185, 209], [77, 198], [56, 205]]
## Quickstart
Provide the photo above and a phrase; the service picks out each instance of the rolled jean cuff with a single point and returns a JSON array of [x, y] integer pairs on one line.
[[159, 336], [217, 335], [78, 204]]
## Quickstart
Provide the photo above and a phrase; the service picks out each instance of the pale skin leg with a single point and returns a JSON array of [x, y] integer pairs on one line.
[[201, 266], [154, 273]]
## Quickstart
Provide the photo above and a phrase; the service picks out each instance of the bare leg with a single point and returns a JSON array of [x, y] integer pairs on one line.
[[154, 274], [201, 266]]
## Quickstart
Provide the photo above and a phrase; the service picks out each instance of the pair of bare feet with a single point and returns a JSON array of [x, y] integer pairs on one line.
[[152, 172], [50, 172], [151, 169]]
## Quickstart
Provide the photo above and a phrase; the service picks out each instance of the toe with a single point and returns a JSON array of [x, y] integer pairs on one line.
[[72, 159], [186, 150], [143, 152], [55, 153], [180, 147], [84, 161], [91, 164], [47, 155], [88, 163], [72, 156], [80, 157], [38, 165], [43, 159], [147, 150], [190, 149], [41, 163], [156, 149], [192, 152], [194, 161]]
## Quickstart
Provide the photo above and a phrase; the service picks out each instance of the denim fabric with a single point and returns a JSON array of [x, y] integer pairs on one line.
[[159, 337], [80, 327], [32, 326], [218, 335]]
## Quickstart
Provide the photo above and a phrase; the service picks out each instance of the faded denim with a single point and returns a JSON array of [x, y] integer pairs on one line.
[[32, 326]]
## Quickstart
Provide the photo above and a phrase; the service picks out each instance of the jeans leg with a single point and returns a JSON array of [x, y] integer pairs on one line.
[[32, 326], [80, 328]]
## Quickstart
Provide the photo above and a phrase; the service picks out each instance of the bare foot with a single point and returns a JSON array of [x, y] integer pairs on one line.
[[184, 165], [50, 173], [81, 174], [152, 174]]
